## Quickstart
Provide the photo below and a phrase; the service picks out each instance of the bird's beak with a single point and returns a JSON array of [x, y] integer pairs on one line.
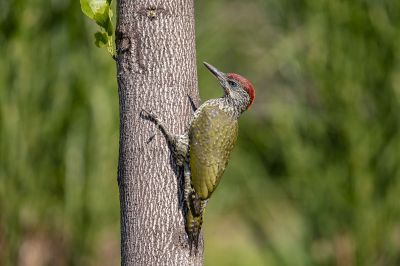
[[219, 75]]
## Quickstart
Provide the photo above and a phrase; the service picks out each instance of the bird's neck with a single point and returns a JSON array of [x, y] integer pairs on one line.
[[229, 105]]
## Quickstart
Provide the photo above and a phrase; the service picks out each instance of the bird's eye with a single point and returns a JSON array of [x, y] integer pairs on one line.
[[232, 83]]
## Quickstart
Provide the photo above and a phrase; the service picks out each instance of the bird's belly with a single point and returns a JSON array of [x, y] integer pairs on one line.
[[211, 141]]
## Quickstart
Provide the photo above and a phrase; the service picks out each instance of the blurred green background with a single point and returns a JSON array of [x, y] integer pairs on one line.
[[314, 180]]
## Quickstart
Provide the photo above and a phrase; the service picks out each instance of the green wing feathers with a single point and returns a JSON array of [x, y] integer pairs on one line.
[[212, 137]]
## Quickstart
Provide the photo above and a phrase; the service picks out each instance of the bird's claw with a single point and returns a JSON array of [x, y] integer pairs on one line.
[[150, 139], [148, 114]]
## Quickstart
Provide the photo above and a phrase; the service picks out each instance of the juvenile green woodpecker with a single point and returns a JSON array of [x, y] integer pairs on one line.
[[204, 150]]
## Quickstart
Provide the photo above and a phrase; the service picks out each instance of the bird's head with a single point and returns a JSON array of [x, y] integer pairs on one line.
[[235, 86]]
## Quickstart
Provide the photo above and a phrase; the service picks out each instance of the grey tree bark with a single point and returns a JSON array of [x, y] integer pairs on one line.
[[156, 70]]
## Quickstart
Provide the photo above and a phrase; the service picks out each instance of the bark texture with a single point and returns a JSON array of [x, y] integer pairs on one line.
[[156, 68]]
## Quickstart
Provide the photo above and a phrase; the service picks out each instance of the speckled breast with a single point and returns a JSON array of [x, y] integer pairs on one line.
[[212, 136]]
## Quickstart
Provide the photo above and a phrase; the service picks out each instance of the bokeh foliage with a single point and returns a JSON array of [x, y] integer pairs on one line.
[[59, 136], [314, 180]]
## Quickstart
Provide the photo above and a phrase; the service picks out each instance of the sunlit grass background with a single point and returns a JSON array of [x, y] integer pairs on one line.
[[314, 180]]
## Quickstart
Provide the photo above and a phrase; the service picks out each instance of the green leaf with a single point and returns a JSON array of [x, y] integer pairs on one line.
[[101, 39], [103, 19], [86, 9], [99, 6], [100, 11]]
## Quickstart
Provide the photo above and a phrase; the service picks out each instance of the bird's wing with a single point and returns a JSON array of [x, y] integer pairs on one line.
[[212, 136]]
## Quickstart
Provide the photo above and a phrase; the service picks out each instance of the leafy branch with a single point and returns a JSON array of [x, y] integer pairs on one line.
[[100, 11]]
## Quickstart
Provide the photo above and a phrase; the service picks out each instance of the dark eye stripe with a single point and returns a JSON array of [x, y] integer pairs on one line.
[[232, 83]]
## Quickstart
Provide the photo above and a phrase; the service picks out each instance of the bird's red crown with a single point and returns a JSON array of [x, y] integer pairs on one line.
[[246, 85]]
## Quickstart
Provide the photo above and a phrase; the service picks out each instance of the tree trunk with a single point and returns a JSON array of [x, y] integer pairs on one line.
[[156, 68]]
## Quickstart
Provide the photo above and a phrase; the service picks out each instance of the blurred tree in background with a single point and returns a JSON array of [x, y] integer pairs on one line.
[[315, 179]]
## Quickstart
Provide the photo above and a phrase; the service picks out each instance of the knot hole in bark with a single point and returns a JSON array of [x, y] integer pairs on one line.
[[122, 41], [130, 44]]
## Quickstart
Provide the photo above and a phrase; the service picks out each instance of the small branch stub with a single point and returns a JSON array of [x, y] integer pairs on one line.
[[152, 12]]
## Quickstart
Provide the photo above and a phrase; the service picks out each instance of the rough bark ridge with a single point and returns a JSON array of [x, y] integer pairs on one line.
[[156, 68]]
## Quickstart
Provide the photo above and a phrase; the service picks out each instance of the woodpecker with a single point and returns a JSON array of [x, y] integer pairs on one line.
[[204, 149]]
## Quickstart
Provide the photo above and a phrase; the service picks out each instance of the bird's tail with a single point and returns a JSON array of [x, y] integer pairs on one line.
[[194, 220]]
